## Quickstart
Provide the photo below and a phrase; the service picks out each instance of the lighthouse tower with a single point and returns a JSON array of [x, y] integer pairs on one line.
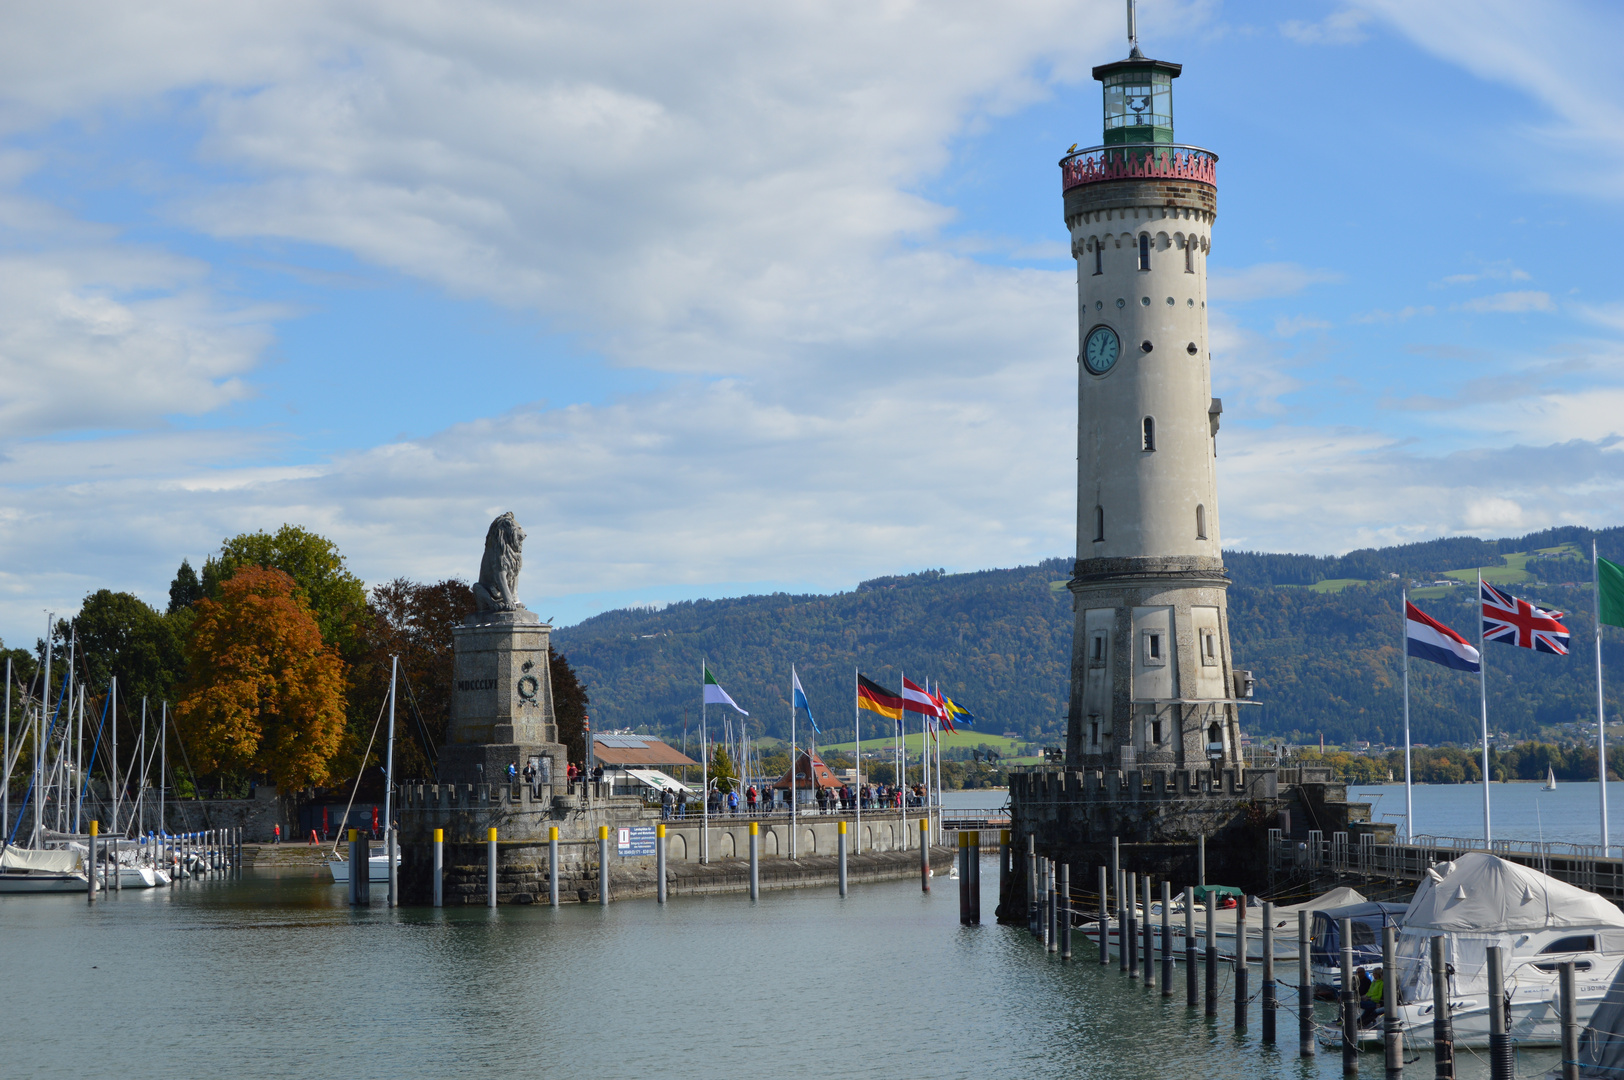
[[1152, 686]]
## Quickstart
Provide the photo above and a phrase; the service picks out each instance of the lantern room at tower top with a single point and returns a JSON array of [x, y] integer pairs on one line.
[[1138, 100]]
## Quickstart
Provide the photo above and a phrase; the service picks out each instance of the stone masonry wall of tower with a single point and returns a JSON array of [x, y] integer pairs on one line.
[[1152, 682]]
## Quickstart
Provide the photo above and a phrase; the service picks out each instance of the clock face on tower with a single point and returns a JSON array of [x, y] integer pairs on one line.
[[1100, 350]]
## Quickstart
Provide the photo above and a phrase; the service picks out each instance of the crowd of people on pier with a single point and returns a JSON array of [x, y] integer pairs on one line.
[[826, 800]]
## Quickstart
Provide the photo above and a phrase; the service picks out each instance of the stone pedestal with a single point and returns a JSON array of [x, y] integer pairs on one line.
[[502, 702]]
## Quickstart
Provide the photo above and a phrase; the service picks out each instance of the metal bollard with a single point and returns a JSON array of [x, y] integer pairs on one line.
[[659, 863], [1105, 921], [964, 875], [1006, 864], [439, 867], [1065, 911], [603, 866], [1167, 939], [1570, 1023], [924, 855], [1443, 1033], [90, 868], [1501, 1060], [1052, 903], [1392, 1028], [1150, 938], [390, 847], [1191, 993], [1123, 934], [1129, 941], [1212, 955], [490, 868], [552, 866], [975, 875], [1348, 1003], [355, 879], [755, 860], [840, 840], [1032, 885], [1305, 990], [1269, 1002], [1242, 968]]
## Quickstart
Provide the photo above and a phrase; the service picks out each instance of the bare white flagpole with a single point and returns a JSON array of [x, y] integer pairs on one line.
[[1404, 626], [1483, 698], [163, 766], [1601, 717], [794, 765], [5, 792], [112, 715], [704, 771], [857, 723]]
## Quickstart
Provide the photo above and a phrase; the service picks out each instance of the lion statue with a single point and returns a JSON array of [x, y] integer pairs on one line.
[[499, 569]]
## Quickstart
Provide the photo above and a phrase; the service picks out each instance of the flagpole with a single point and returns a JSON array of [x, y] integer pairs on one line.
[[794, 764], [1404, 627], [1601, 718], [857, 723], [1483, 700], [704, 770]]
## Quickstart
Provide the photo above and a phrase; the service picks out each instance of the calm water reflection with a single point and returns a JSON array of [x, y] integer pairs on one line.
[[272, 976]]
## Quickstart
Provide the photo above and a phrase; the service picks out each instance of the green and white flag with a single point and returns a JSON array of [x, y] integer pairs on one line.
[[1610, 592], [715, 695]]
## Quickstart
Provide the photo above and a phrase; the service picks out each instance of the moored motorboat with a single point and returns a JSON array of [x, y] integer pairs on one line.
[[27, 870], [377, 869], [1481, 901]]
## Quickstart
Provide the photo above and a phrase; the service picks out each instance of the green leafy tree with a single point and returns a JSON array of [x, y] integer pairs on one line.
[[267, 694], [119, 634], [337, 598]]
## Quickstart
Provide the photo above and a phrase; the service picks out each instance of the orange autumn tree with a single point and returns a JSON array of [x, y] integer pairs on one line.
[[265, 695]]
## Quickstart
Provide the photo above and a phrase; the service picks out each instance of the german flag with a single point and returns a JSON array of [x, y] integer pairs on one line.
[[877, 699]]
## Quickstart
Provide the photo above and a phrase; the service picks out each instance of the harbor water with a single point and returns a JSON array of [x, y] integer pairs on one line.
[[272, 975], [1570, 814]]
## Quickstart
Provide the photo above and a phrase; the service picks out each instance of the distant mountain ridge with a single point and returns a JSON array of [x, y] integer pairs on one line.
[[1326, 658]]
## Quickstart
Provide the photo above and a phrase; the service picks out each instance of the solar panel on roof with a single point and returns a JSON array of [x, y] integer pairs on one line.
[[627, 742]]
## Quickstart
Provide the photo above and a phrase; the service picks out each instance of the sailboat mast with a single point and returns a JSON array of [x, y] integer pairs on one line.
[[39, 731]]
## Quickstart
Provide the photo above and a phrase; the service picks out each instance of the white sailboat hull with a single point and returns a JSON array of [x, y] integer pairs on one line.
[[19, 884], [377, 869]]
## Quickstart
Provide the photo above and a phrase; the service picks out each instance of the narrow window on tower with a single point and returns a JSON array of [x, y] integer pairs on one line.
[[1098, 657], [1200, 522], [1156, 732], [1209, 649], [1144, 251], [1189, 255], [1099, 524], [1099, 255], [1149, 439], [1094, 730], [1153, 648]]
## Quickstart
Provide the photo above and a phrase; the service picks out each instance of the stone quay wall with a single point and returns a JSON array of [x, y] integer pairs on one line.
[[1155, 819], [524, 816]]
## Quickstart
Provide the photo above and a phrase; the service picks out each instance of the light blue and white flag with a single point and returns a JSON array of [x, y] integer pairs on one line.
[[799, 699]]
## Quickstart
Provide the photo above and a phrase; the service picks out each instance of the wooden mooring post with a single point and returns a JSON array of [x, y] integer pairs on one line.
[[1305, 990], [1443, 1033], [1268, 974], [1105, 919]]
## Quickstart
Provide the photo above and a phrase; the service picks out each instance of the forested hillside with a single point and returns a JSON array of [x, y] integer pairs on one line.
[[1326, 658]]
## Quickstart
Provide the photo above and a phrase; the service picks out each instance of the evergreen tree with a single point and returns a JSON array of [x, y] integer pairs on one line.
[[185, 590], [569, 705]]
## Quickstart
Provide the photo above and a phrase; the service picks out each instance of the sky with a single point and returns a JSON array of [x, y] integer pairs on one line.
[[723, 297]]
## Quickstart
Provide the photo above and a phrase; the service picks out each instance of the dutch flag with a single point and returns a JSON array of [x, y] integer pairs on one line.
[[1429, 639]]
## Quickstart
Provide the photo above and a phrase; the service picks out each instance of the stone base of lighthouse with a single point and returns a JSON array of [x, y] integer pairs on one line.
[[1151, 683]]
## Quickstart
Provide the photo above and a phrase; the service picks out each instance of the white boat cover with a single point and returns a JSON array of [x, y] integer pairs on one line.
[[659, 781], [1480, 893], [1341, 896], [1601, 1047], [1481, 900], [52, 862]]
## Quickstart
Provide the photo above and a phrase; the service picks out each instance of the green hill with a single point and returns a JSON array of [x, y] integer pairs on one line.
[[1322, 635]]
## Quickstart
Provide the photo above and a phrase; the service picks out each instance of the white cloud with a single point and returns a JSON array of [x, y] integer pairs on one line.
[[1404, 314], [1291, 325], [1265, 281], [1510, 303], [1345, 27]]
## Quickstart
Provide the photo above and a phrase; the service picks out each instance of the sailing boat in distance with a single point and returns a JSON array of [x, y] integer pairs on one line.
[[1550, 779]]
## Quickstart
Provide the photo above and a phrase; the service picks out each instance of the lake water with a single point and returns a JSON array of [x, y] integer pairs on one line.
[[273, 976], [1571, 814]]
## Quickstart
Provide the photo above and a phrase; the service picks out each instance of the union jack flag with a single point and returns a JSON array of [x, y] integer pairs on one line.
[[1517, 622]]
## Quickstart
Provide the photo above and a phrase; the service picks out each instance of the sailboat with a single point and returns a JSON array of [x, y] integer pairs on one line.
[[1550, 778]]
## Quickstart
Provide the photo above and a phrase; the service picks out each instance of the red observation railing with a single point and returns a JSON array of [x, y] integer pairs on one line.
[[1144, 161]]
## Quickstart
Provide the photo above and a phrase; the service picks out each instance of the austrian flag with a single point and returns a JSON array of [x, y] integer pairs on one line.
[[1516, 622]]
